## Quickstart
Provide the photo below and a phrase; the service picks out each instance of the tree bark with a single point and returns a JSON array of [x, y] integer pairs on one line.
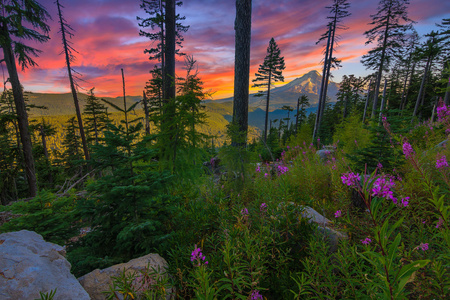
[[147, 123], [169, 76], [322, 86], [327, 78], [409, 85], [267, 106], [242, 27], [404, 87], [367, 101], [422, 84], [22, 116], [447, 94], [380, 69], [383, 101], [72, 84]]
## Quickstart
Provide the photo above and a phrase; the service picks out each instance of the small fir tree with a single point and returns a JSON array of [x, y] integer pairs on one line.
[[270, 71], [96, 118], [73, 154]]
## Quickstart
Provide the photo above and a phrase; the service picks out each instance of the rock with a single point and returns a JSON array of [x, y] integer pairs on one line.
[[442, 144], [333, 236], [314, 216], [325, 153], [98, 281], [29, 265]]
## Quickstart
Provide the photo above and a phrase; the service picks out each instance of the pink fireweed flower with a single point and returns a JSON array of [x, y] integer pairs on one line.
[[443, 112], [266, 175], [256, 295], [338, 214], [441, 162], [198, 256], [366, 241], [379, 166], [382, 188], [351, 179], [282, 169], [405, 201], [439, 223], [244, 212], [263, 207], [407, 150], [423, 246], [258, 169]]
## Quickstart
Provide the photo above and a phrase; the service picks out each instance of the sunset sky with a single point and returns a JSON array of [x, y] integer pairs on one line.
[[107, 39]]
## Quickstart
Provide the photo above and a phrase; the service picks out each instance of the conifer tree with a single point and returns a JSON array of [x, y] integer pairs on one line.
[[407, 61], [73, 153], [390, 24], [96, 118], [67, 33], [153, 93], [242, 38], [269, 72], [19, 21], [338, 11], [444, 34], [10, 159], [429, 50], [302, 103], [156, 21]]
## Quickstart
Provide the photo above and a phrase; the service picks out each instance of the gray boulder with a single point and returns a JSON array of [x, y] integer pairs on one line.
[[98, 281], [29, 265]]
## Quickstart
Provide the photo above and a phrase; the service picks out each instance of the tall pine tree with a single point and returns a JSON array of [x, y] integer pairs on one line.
[[338, 11], [67, 33], [390, 24], [242, 38], [19, 21], [269, 72]]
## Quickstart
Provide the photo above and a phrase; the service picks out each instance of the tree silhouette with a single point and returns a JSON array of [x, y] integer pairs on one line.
[[156, 11], [271, 70], [242, 27], [338, 11], [15, 17], [67, 32], [388, 32]]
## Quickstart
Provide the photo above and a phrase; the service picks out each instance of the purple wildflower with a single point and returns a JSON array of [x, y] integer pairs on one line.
[[244, 212], [266, 175], [338, 214], [405, 201], [441, 162], [407, 150], [366, 241], [256, 295], [382, 188], [198, 256], [423, 246], [379, 166], [282, 169], [443, 112], [263, 207], [439, 223], [351, 179]]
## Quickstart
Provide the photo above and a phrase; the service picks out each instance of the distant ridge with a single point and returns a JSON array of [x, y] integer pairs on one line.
[[62, 104]]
